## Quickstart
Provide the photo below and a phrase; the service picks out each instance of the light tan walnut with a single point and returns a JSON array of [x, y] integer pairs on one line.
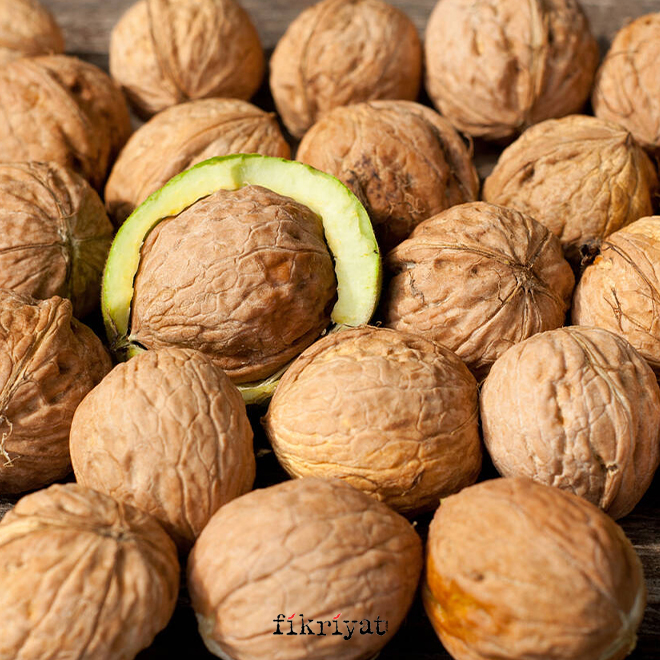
[[311, 549], [83, 577]]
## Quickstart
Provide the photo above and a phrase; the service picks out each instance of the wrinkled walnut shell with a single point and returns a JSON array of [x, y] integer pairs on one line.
[[304, 547], [493, 69], [183, 136], [626, 89], [166, 52], [576, 408], [61, 109], [581, 177], [166, 432], [328, 58], [54, 234], [478, 278], [390, 413], [48, 363], [533, 572], [82, 576], [27, 28], [404, 162]]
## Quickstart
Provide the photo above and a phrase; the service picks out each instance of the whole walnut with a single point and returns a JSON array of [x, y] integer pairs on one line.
[[183, 136], [576, 408], [48, 363], [318, 553], [495, 68], [404, 162], [244, 276], [477, 278], [627, 89], [166, 432], [619, 291], [54, 234], [581, 177], [83, 577], [27, 28], [389, 413], [533, 572], [61, 109], [340, 52], [166, 52]]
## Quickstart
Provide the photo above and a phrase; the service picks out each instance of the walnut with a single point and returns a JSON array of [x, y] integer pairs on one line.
[[495, 68], [626, 89], [340, 52], [389, 413], [311, 549], [54, 234], [61, 109], [581, 177], [576, 408], [404, 162], [620, 290], [183, 136], [477, 278], [82, 576], [48, 363], [165, 52], [27, 28], [167, 433], [244, 276], [533, 572]]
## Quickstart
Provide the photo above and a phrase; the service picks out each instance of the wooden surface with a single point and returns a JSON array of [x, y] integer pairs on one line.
[[87, 25]]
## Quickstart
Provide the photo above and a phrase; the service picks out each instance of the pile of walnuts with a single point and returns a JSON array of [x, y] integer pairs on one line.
[[471, 446]]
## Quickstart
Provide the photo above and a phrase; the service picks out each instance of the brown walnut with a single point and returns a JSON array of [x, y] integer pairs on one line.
[[581, 177], [307, 547], [390, 413], [477, 278], [166, 432], [83, 577], [533, 572], [48, 363], [340, 52], [576, 408], [54, 234], [495, 68], [61, 109], [166, 52], [244, 276], [27, 28], [404, 162], [183, 136]]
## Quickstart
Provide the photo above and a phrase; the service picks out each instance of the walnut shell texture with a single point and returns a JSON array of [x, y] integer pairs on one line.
[[48, 363], [477, 278], [627, 83], [340, 52], [82, 576], [580, 176], [54, 234], [404, 161], [166, 432], [166, 52], [620, 291], [183, 136], [310, 547], [27, 28], [576, 408], [390, 413], [515, 569], [61, 109], [244, 276], [495, 68]]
